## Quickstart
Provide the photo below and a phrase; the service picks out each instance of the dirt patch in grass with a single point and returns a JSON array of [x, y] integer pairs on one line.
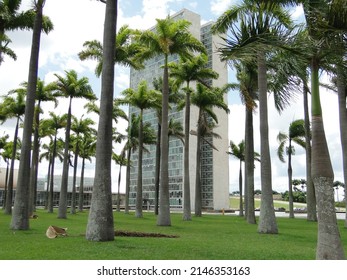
[[142, 234]]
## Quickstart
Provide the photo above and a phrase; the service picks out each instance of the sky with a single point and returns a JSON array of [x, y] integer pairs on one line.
[[78, 21]]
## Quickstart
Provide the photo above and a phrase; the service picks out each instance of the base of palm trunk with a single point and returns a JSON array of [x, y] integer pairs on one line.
[[329, 246]]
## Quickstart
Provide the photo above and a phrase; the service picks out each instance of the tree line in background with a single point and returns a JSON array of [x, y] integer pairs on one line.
[[270, 55]]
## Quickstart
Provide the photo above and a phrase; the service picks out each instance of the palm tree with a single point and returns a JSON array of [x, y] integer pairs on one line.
[[87, 151], [11, 19], [52, 150], [143, 99], [71, 87], [187, 71], [263, 23], [246, 74], [324, 22], [20, 217], [6, 154], [170, 37], [4, 49], [205, 99], [55, 123], [289, 74], [121, 161], [174, 98], [238, 151], [127, 51], [82, 129], [101, 204], [13, 107], [132, 144], [44, 93], [295, 134]]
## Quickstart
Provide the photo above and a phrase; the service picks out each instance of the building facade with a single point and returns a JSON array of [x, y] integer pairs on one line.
[[214, 163]]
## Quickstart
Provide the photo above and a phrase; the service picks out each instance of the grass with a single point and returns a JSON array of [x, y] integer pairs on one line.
[[211, 237], [235, 203]]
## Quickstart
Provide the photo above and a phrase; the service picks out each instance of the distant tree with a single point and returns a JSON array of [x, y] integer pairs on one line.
[[142, 98], [296, 135], [13, 107], [71, 87], [238, 151]]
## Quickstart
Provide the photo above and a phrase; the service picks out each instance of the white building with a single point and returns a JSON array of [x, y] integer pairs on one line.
[[215, 164]]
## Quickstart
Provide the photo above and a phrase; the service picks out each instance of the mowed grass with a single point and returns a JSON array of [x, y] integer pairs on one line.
[[235, 203], [211, 237]]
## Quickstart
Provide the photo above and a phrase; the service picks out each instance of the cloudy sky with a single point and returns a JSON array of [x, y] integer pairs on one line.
[[80, 20]]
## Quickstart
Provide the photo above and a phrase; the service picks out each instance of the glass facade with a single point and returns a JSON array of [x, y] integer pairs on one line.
[[153, 70]]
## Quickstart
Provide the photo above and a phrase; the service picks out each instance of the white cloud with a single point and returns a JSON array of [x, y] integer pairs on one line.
[[220, 6]]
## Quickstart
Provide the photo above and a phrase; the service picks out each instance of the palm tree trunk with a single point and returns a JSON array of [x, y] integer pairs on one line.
[[267, 219], [119, 180], [310, 193], [241, 214], [249, 168], [73, 196], [80, 198], [48, 180], [6, 182], [187, 216], [62, 210], [127, 183], [342, 94], [329, 244], [198, 194], [9, 192], [164, 218], [157, 172], [34, 164], [20, 216], [290, 182], [51, 182], [139, 196], [100, 225]]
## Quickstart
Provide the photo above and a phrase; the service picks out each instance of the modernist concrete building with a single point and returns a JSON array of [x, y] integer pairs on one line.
[[214, 167]]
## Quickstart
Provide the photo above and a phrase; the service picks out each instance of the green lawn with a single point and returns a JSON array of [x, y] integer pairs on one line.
[[210, 237], [235, 201]]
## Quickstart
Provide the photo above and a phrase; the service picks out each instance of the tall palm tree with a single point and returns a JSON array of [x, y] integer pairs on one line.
[[290, 74], [170, 37], [13, 107], [246, 74], [206, 100], [132, 144], [238, 151], [51, 151], [70, 87], [11, 19], [142, 98], [101, 204], [263, 23], [20, 217], [55, 122], [174, 98], [186, 71], [296, 134], [127, 51], [82, 129], [6, 154], [87, 151], [324, 22], [44, 93]]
